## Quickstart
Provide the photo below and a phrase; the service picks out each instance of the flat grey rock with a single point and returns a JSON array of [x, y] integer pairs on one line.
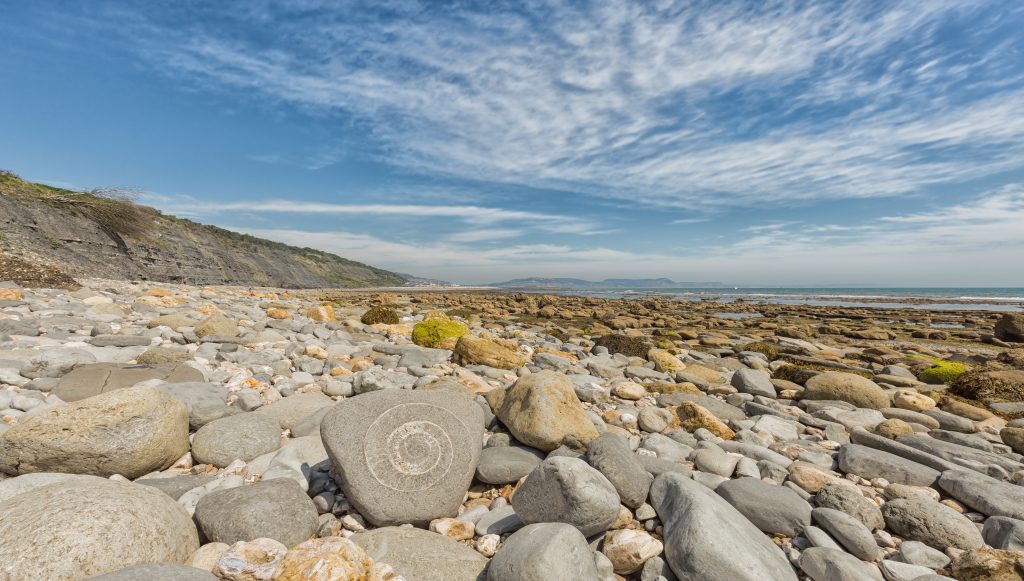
[[1004, 532], [277, 509], [237, 437], [984, 494], [205, 401], [932, 523], [405, 456], [848, 531], [570, 491], [291, 410], [849, 500], [753, 381], [422, 555], [507, 464], [918, 553], [157, 572], [543, 551], [499, 521], [824, 564], [706, 538], [611, 456], [870, 463], [773, 509]]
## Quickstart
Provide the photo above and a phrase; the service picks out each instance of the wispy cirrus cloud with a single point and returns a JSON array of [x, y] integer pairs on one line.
[[669, 103]]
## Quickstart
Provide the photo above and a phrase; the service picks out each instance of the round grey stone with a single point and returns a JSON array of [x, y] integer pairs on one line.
[[610, 454], [405, 456], [932, 523], [847, 499], [543, 551], [506, 464], [567, 490], [238, 437], [277, 509]]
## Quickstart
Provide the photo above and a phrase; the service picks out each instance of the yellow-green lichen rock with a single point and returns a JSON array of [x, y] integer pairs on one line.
[[665, 361], [438, 333], [943, 372]]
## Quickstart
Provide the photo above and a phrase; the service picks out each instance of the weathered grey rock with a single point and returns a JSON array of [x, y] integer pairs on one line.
[[175, 486], [405, 456], [773, 509], [956, 453], [825, 564], [866, 438], [849, 500], [377, 379], [26, 482], [543, 551], [567, 490], [238, 437], [848, 387], [499, 521], [422, 555], [89, 380], [130, 432], [542, 410], [56, 362], [753, 381], [1004, 533], [850, 532], [932, 523], [276, 509], [706, 538], [984, 494], [506, 464], [157, 572], [205, 401], [918, 553], [870, 463], [120, 341], [948, 421], [611, 455], [310, 425], [291, 410], [719, 408], [78, 528], [715, 461], [899, 571]]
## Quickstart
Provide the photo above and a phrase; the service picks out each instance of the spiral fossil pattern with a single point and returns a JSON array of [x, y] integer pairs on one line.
[[407, 453]]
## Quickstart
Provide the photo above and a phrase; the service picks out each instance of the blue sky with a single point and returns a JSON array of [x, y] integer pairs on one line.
[[754, 143]]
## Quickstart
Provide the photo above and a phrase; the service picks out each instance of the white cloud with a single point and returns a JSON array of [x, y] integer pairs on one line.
[[614, 99]]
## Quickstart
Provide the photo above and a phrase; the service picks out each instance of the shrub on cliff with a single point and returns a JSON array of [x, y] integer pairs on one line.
[[383, 315]]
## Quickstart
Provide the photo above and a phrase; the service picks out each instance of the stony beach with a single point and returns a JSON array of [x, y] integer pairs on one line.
[[163, 432]]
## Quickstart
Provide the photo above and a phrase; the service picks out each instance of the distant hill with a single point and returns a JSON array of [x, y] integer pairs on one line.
[[608, 283], [105, 236]]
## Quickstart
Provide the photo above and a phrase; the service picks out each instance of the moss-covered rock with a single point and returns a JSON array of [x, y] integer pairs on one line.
[[631, 346], [943, 372], [461, 312], [1012, 357], [665, 344], [804, 371], [438, 333], [767, 349], [380, 314], [998, 385]]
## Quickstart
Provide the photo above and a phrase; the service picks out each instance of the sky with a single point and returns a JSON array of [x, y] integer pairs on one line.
[[754, 143]]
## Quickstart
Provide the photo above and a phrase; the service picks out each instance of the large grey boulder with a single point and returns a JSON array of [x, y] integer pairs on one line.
[[848, 387], [542, 410], [291, 410], [506, 464], [773, 509], [932, 523], [238, 437], [871, 463], [567, 490], [984, 494], [25, 482], [610, 454], [87, 526], [56, 362], [422, 555], [205, 401], [130, 432], [706, 538], [848, 499], [753, 381], [405, 456], [277, 509], [544, 551], [89, 380], [826, 564]]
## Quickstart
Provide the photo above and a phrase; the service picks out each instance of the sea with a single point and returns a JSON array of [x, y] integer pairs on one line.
[[1008, 299]]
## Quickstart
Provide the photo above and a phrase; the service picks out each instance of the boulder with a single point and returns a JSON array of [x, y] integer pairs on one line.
[[472, 350], [405, 456], [276, 509], [544, 551], [216, 325], [291, 410], [238, 437], [611, 455], [89, 380], [706, 538], [1010, 327], [422, 555], [567, 490], [986, 495], [88, 526], [848, 387], [157, 572], [932, 523], [771, 508], [506, 464], [130, 432], [542, 410]]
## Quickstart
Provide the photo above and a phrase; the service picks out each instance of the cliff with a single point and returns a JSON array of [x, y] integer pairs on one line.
[[89, 235]]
